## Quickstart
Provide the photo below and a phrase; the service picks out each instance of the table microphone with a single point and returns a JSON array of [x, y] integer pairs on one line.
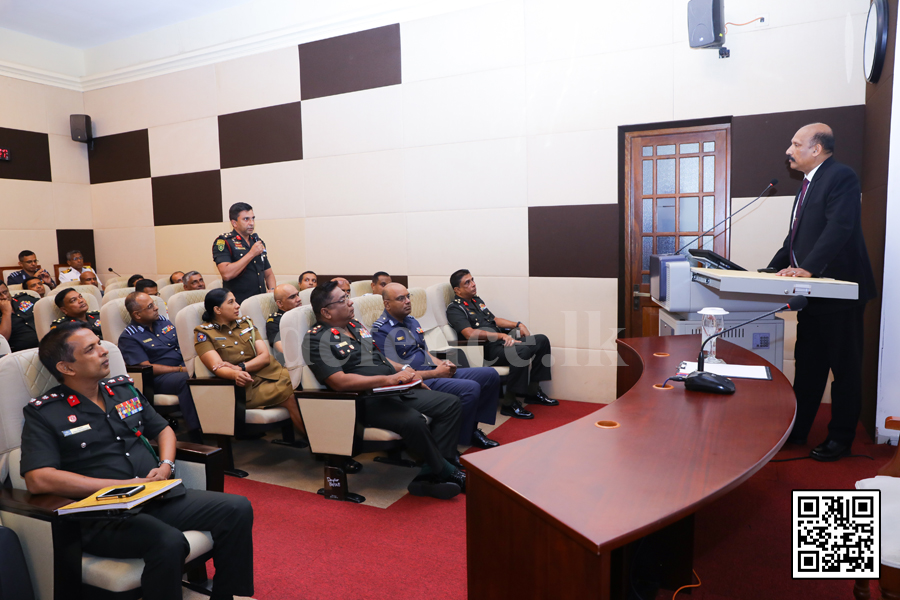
[[111, 271], [703, 381]]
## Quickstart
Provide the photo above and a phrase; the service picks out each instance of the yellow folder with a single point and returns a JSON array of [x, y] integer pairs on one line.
[[151, 490]]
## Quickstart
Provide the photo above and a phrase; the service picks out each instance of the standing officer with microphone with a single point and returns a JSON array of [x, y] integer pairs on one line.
[[825, 239], [241, 256]]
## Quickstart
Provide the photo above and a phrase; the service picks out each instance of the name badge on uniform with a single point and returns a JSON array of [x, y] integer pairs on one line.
[[148, 340], [69, 432], [129, 407], [248, 330], [400, 338]]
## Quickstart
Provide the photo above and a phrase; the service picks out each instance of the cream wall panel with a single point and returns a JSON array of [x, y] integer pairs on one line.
[[72, 206], [25, 204], [574, 312], [426, 281], [477, 106], [477, 39], [275, 190], [266, 79], [122, 204], [583, 375], [600, 91], [471, 175], [123, 107], [356, 245], [60, 104], [40, 241], [497, 242], [573, 168], [187, 147], [354, 184], [186, 247], [363, 121], [759, 232], [740, 85], [181, 96], [285, 243], [507, 297], [558, 29], [23, 105], [68, 160], [127, 250]]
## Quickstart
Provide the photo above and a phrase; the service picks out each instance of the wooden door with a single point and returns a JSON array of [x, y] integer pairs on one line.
[[677, 187]]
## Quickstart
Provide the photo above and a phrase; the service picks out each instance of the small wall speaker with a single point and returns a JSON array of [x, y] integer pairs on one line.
[[81, 128], [706, 23]]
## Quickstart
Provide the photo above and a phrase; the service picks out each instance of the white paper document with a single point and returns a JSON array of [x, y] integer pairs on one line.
[[735, 371]]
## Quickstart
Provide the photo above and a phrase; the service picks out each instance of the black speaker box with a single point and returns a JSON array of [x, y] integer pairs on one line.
[[706, 23], [81, 128]]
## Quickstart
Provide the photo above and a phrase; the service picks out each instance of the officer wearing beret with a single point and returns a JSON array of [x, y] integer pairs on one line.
[[241, 256], [471, 319], [17, 319], [75, 308], [151, 340], [340, 352], [400, 337], [92, 432]]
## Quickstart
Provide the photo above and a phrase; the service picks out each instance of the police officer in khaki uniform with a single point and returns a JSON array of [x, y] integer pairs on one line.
[[92, 432], [241, 256], [75, 308], [230, 346]]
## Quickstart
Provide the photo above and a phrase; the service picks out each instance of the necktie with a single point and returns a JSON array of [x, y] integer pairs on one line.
[[797, 219]]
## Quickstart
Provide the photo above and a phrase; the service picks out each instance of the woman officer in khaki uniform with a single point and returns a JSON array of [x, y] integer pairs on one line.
[[229, 345]]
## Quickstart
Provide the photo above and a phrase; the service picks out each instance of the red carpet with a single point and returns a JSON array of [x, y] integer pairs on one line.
[[306, 547]]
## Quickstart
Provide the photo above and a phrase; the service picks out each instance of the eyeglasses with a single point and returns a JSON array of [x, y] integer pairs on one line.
[[150, 306], [343, 300], [402, 298]]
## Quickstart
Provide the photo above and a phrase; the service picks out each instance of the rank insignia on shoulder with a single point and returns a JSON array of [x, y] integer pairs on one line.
[[335, 331], [316, 329], [270, 319], [201, 337]]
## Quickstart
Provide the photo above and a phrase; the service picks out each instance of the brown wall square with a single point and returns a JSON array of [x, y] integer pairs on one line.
[[29, 154], [264, 135], [187, 198], [573, 241], [120, 157], [350, 63], [76, 239]]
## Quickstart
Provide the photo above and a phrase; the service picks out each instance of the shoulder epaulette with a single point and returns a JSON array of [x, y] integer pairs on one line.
[[247, 319], [230, 234], [59, 320], [69, 270], [120, 380], [316, 329], [207, 326], [45, 399]]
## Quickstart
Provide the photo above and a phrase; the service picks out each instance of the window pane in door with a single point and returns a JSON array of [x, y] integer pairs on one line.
[[665, 150], [665, 244], [647, 215], [709, 212], [648, 178], [689, 213], [690, 148], [707, 242], [646, 251], [684, 241], [709, 146], [647, 151], [665, 175], [665, 215], [709, 173], [689, 176]]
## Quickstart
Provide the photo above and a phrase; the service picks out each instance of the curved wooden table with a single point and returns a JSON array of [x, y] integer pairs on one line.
[[546, 515]]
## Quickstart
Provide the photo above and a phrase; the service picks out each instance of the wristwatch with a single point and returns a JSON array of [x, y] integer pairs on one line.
[[405, 367], [243, 367], [171, 466]]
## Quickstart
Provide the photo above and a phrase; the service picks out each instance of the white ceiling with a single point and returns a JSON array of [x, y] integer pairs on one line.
[[88, 23]]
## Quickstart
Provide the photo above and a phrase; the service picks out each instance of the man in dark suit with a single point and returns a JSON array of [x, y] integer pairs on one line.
[[826, 240]]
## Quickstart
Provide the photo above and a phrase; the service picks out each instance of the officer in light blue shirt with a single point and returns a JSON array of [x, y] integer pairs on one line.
[[400, 337]]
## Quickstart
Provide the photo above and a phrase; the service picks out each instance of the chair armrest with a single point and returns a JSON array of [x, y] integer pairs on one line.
[[221, 411], [213, 459], [325, 394], [468, 342], [892, 423], [145, 374], [216, 381], [39, 506]]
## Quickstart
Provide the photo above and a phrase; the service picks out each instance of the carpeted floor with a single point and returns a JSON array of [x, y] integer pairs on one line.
[[415, 548]]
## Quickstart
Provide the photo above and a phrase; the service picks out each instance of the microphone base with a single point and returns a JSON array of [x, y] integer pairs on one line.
[[709, 383]]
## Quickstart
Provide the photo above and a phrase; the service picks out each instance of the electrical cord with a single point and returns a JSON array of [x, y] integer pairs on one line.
[[693, 585], [672, 378], [742, 24]]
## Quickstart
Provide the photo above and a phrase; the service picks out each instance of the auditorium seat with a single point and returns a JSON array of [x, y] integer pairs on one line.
[[258, 308], [163, 282], [46, 311], [213, 283], [221, 405], [180, 300], [360, 288], [305, 295], [333, 419], [4, 346], [111, 295], [14, 288], [170, 290], [56, 565], [84, 290], [368, 308], [115, 282]]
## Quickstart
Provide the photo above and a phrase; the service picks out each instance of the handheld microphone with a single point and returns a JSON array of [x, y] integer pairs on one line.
[[254, 237], [111, 271], [772, 184], [702, 381]]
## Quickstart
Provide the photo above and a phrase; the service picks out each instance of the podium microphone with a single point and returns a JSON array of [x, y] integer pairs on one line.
[[703, 381], [772, 184], [111, 271]]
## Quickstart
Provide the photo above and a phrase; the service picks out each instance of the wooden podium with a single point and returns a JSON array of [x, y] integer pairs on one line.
[[549, 516]]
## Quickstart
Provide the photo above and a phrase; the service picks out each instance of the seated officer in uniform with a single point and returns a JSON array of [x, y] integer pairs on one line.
[[229, 345], [75, 308], [30, 268], [35, 285], [76, 268], [147, 286], [89, 278], [176, 277], [78, 439], [241, 256], [134, 279], [17, 326], [400, 337], [471, 319], [340, 352], [286, 298], [379, 280], [150, 340], [193, 281], [343, 283], [308, 279]]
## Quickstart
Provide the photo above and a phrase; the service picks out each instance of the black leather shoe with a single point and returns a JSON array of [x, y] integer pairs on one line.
[[480, 440], [430, 485], [830, 451], [351, 466], [516, 411], [541, 398], [459, 478], [455, 462]]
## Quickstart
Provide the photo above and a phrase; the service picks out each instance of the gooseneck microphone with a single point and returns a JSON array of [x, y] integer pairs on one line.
[[702, 381], [111, 271], [772, 184]]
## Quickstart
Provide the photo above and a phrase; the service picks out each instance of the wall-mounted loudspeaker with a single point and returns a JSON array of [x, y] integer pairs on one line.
[[81, 128], [706, 23]]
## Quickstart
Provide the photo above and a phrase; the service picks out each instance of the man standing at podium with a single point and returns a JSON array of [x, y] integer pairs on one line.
[[825, 239]]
